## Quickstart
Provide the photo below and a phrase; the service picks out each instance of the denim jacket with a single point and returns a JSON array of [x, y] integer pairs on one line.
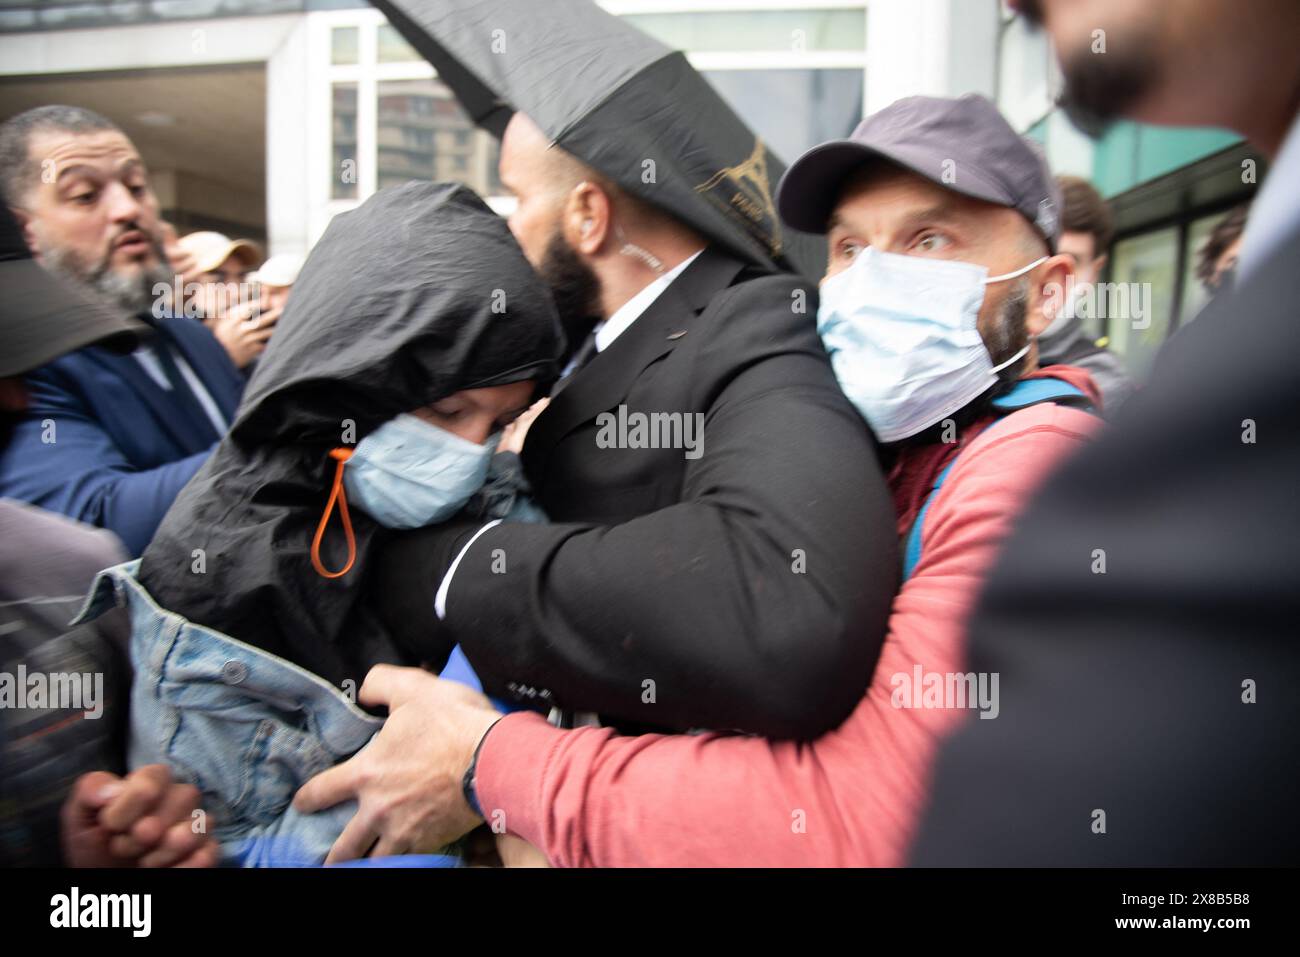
[[246, 727]]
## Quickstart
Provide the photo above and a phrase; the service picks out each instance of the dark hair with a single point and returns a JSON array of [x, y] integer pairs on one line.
[[1224, 234], [1084, 211], [17, 172]]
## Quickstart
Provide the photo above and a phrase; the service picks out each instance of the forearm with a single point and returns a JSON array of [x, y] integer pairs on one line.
[[850, 797], [62, 459], [589, 798], [132, 504], [620, 621]]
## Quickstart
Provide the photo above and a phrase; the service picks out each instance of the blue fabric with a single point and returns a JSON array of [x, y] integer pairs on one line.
[[121, 452], [459, 669], [912, 554], [505, 496], [1023, 394], [1029, 392], [247, 728]]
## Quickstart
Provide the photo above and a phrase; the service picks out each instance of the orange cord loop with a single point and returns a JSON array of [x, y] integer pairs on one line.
[[339, 494]]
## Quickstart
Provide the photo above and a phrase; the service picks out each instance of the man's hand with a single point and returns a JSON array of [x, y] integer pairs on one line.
[[407, 780], [245, 330], [142, 820]]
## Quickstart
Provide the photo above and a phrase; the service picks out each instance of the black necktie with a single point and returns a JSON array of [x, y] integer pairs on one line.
[[586, 352]]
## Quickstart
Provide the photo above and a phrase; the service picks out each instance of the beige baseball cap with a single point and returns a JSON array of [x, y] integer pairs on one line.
[[211, 249]]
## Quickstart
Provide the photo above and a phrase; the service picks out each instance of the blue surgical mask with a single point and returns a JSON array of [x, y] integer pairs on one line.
[[902, 338], [409, 473]]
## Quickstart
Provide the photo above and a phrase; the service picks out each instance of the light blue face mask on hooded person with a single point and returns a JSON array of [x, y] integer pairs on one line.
[[410, 473], [902, 337]]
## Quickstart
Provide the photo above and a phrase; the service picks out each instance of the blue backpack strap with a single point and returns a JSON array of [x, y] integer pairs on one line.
[[1029, 392], [912, 553], [1022, 395]]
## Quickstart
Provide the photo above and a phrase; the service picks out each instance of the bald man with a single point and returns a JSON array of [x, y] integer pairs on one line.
[[721, 552]]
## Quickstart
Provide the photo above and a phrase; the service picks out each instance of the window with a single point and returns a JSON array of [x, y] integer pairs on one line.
[[423, 134], [393, 49], [344, 45], [1141, 293], [343, 176], [795, 75], [17, 15]]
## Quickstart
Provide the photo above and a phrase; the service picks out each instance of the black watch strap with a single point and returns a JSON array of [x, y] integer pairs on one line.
[[467, 782]]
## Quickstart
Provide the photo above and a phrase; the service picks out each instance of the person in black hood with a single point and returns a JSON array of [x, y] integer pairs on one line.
[[417, 331], [417, 300]]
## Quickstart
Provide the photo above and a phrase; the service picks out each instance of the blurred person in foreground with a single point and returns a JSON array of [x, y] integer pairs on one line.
[[1086, 233], [219, 289], [1143, 614], [930, 308], [63, 689], [107, 439]]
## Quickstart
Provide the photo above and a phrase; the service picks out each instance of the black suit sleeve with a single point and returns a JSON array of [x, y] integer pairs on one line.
[[399, 593], [758, 602]]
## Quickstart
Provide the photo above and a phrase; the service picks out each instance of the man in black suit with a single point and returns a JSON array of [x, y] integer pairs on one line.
[[721, 551], [1143, 618]]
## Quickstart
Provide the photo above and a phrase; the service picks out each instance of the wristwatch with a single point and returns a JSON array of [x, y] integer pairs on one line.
[[467, 782]]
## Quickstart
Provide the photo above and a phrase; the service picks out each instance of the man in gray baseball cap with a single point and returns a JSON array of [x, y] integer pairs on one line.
[[941, 227], [963, 144]]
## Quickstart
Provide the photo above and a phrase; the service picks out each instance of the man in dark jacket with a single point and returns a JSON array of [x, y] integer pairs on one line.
[[64, 690], [1143, 617], [107, 439], [721, 552], [419, 299]]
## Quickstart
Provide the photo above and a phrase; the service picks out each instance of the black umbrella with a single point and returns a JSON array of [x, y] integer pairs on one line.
[[619, 100]]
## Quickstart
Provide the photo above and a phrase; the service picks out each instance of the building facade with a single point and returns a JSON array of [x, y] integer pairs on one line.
[[264, 118]]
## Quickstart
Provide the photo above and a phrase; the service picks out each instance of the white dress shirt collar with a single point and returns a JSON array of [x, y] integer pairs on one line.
[[1275, 212], [630, 311]]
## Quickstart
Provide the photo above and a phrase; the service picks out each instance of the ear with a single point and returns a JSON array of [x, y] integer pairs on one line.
[[587, 218], [1049, 285], [24, 220], [1099, 264]]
